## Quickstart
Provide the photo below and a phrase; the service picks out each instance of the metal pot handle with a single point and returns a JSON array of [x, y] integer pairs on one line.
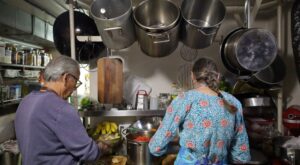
[[247, 13], [135, 143], [111, 30], [124, 132], [204, 33], [161, 37]]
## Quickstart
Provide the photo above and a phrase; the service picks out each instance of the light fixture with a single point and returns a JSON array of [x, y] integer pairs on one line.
[[51, 7]]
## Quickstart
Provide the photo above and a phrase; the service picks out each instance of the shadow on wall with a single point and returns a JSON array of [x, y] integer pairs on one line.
[[291, 80], [145, 66]]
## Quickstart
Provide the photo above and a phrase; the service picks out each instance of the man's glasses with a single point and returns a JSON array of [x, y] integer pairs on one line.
[[78, 82]]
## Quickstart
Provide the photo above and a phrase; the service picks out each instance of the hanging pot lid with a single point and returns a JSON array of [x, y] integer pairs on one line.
[[84, 26]]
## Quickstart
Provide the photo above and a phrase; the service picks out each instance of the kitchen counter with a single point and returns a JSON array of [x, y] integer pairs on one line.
[[121, 113]]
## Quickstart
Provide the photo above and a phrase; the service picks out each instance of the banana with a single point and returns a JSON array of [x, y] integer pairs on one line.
[[103, 131], [113, 130], [98, 129], [107, 127], [113, 125]]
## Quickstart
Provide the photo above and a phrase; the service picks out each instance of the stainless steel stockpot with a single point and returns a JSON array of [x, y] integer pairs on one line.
[[114, 22], [157, 27], [201, 21]]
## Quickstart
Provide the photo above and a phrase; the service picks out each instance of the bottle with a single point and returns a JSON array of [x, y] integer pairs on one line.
[[2, 51], [8, 54], [14, 57], [175, 91], [38, 59], [27, 57], [19, 57], [42, 58], [46, 59], [34, 58]]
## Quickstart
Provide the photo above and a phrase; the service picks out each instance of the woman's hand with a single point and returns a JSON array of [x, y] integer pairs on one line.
[[104, 148]]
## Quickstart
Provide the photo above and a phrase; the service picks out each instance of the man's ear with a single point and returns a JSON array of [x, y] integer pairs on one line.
[[64, 78]]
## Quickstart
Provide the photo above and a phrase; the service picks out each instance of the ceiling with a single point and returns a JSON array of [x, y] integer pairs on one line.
[[48, 10]]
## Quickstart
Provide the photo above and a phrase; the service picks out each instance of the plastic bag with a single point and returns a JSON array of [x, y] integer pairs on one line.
[[292, 143]]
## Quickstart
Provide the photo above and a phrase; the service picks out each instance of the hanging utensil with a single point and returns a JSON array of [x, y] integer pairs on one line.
[[184, 77], [188, 54]]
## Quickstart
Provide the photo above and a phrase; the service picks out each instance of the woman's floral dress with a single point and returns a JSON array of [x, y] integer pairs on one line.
[[206, 128]]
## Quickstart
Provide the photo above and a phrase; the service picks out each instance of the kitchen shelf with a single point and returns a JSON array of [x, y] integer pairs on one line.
[[21, 66], [7, 103], [122, 113], [8, 108]]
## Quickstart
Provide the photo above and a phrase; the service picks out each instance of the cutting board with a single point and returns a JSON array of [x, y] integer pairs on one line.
[[110, 80]]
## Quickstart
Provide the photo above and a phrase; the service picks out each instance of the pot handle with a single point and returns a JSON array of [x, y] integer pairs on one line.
[[111, 30], [206, 33], [133, 142], [124, 132], [161, 37]]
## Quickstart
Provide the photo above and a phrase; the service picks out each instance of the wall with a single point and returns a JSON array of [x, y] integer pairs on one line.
[[159, 73], [291, 90]]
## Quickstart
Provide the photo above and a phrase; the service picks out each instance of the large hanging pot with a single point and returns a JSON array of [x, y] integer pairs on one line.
[[225, 61], [157, 27], [201, 21], [114, 22], [249, 50], [85, 26], [269, 77]]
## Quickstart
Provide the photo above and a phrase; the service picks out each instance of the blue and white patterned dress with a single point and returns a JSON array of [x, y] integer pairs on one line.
[[206, 128]]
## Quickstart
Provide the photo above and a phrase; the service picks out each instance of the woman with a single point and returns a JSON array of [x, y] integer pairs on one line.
[[210, 122]]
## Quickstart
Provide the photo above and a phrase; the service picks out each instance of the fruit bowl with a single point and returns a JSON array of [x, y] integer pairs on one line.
[[110, 139]]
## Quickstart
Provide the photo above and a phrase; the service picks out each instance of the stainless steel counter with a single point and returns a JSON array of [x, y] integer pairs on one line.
[[122, 113]]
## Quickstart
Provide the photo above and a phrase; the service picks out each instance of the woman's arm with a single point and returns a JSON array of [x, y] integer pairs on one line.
[[174, 116], [240, 151]]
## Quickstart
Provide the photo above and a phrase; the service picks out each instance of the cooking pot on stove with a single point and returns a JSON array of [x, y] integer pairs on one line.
[[137, 150], [142, 127]]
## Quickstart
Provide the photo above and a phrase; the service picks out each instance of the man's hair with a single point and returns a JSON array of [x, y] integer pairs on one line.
[[60, 65]]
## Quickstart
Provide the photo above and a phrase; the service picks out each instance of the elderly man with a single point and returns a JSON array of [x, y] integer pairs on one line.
[[48, 128]]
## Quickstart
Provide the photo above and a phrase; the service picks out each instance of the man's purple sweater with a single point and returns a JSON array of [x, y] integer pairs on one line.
[[49, 131]]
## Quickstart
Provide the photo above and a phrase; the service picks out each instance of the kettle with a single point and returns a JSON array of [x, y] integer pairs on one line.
[[141, 102]]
